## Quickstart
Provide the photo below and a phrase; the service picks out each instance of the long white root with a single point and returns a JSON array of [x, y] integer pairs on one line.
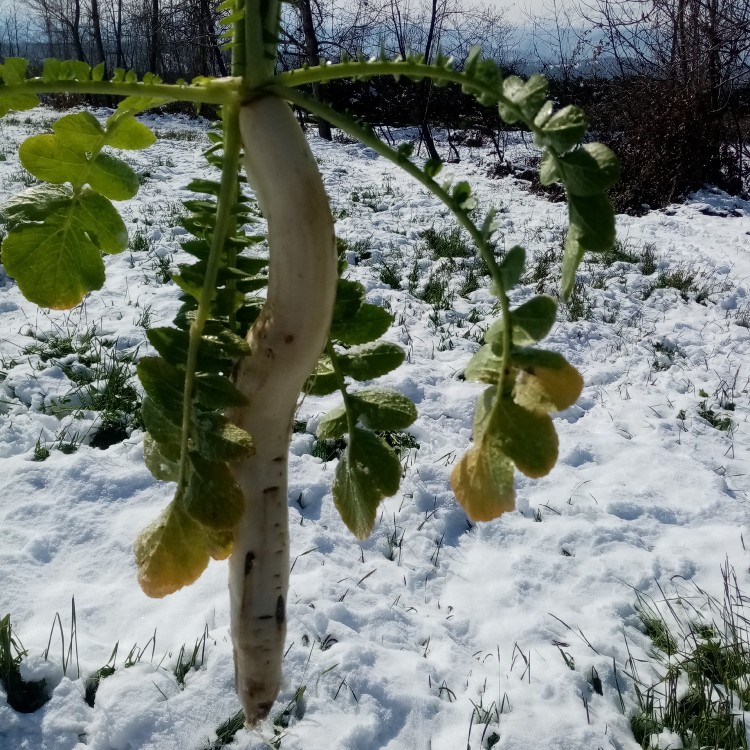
[[286, 342]]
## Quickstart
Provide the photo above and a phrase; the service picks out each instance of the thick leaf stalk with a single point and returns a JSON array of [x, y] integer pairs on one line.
[[286, 342]]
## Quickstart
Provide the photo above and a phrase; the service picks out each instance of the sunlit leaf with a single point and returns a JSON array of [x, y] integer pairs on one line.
[[49, 159], [128, 133], [112, 177], [546, 381], [483, 482], [485, 366], [333, 425], [80, 131], [157, 463]]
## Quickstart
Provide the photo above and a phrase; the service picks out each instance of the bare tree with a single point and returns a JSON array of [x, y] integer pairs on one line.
[[678, 65]]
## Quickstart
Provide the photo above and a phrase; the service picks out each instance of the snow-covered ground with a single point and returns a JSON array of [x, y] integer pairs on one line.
[[435, 632]]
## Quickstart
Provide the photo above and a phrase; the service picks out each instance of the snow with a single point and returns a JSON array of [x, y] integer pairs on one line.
[[404, 640]]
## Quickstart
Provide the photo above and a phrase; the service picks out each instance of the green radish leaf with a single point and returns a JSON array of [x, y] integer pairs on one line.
[[531, 321], [482, 412], [170, 553], [214, 354], [49, 159], [573, 252], [74, 70], [545, 382], [112, 177], [368, 323], [323, 379], [368, 471], [486, 365], [164, 424], [371, 360], [164, 384], [548, 169], [80, 132], [544, 113], [55, 264], [380, 409], [213, 497], [588, 170], [564, 129], [128, 134], [218, 439], [96, 215], [157, 463], [527, 438], [592, 221], [350, 296], [51, 69], [483, 482], [511, 266], [36, 203], [527, 96], [97, 72], [333, 425], [13, 72], [16, 102], [218, 392]]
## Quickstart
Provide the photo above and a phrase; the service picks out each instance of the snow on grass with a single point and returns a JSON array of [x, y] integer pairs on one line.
[[434, 633]]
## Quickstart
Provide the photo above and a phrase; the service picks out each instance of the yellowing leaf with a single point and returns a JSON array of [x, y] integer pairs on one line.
[[483, 483], [171, 552], [546, 382]]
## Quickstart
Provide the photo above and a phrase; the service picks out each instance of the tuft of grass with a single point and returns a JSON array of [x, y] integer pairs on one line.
[[680, 279], [648, 259], [328, 449], [24, 697], [186, 662], [446, 243], [41, 451], [389, 275], [704, 686], [578, 306], [718, 421], [93, 680], [618, 253], [139, 243], [541, 271], [435, 292], [226, 732]]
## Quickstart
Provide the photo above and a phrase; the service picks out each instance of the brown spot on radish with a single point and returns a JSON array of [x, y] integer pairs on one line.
[[270, 491], [278, 459], [280, 611], [289, 338], [249, 560]]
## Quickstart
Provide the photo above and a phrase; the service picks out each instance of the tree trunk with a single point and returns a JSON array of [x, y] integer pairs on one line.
[[312, 52], [153, 47], [97, 29]]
